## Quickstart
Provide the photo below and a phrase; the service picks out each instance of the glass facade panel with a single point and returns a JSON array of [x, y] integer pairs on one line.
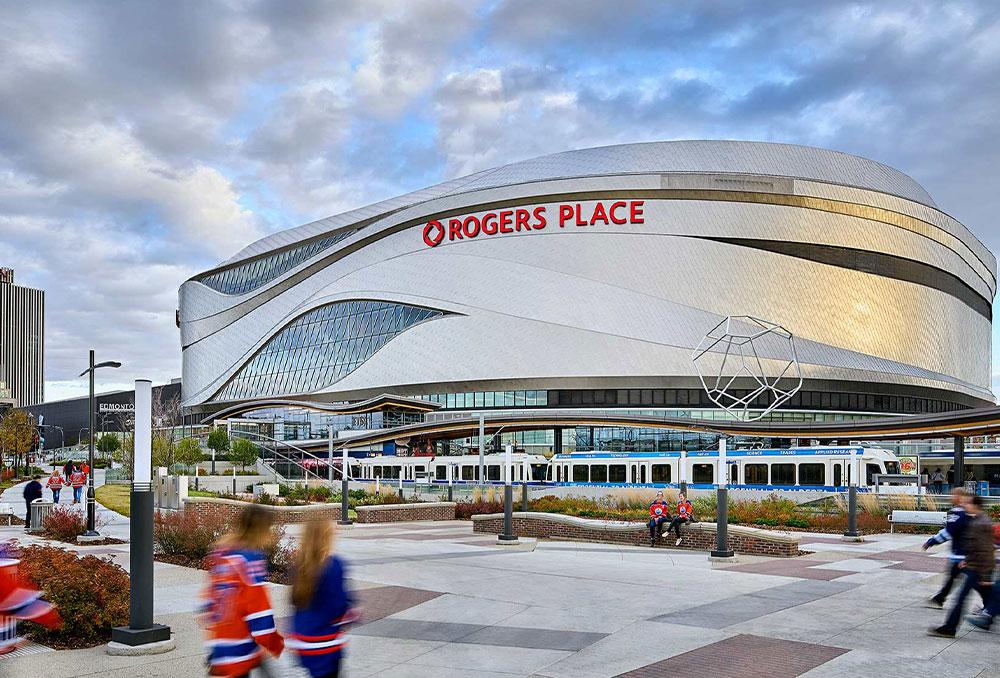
[[250, 275], [321, 347]]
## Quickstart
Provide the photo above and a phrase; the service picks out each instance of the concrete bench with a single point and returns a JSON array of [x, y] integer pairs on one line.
[[916, 518]]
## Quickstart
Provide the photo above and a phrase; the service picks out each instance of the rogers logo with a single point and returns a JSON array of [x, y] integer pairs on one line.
[[433, 233]]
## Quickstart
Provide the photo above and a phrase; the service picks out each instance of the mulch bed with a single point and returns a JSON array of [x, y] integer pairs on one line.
[[14, 520]]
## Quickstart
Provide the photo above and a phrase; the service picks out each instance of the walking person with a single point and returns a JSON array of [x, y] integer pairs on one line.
[[937, 481], [685, 513], [55, 484], [67, 469], [32, 491], [984, 619], [18, 603], [659, 513], [77, 479], [954, 531], [323, 605], [239, 621], [976, 567]]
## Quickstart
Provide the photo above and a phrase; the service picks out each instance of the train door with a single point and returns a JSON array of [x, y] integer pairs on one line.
[[642, 473], [634, 474], [734, 474], [838, 472]]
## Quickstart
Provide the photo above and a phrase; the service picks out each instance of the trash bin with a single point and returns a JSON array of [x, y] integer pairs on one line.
[[39, 509]]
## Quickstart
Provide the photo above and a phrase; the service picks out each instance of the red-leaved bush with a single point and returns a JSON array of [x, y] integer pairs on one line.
[[90, 593], [64, 524], [186, 534], [464, 510]]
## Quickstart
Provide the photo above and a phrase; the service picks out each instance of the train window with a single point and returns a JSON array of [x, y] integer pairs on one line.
[[703, 473], [838, 475], [642, 473], [467, 472], [599, 473], [376, 471], [538, 471], [580, 474], [755, 474], [870, 471], [493, 472], [782, 474], [441, 473], [616, 473], [661, 473], [812, 474]]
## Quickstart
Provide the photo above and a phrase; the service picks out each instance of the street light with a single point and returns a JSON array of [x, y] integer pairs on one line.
[[91, 532]]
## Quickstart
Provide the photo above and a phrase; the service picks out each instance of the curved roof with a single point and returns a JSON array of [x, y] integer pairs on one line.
[[736, 157]]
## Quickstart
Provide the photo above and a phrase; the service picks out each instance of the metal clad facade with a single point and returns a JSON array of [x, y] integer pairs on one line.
[[22, 342]]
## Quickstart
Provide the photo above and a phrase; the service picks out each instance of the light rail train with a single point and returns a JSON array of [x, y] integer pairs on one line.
[[812, 468]]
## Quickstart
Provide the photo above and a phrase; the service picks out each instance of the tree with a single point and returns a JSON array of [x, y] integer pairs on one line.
[[163, 451], [188, 452], [108, 444], [243, 452], [17, 433], [218, 440]]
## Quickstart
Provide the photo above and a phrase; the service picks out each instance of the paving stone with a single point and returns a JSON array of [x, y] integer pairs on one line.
[[742, 656]]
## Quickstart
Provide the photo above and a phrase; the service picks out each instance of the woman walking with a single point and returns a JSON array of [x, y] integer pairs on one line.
[[322, 603], [55, 483], [240, 622]]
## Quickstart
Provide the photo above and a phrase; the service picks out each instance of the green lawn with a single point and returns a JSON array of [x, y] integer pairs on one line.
[[114, 497]]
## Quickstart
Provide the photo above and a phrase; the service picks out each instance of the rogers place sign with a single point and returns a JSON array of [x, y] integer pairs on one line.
[[529, 220]]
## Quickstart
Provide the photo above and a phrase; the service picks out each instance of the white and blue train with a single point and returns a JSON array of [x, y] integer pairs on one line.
[[813, 468]]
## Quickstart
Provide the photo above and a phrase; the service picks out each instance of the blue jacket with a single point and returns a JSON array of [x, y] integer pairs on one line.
[[318, 630], [954, 530]]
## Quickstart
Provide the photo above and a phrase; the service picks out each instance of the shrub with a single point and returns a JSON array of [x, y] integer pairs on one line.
[[464, 510], [64, 524], [797, 522], [186, 534], [92, 595], [280, 558]]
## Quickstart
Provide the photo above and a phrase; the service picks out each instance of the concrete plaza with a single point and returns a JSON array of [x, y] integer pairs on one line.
[[439, 601]]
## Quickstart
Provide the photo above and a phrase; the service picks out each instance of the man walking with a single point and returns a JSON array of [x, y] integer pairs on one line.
[[953, 531], [32, 491], [937, 481], [976, 567]]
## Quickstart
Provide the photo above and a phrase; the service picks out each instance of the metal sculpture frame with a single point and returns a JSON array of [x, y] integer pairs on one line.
[[737, 345]]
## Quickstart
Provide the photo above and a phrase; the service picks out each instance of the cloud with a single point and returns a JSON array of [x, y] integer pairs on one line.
[[142, 142]]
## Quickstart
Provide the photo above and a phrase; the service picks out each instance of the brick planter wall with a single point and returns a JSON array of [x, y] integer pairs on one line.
[[228, 509], [400, 513], [697, 536]]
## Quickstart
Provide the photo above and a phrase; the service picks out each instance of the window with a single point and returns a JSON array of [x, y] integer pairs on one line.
[[580, 474], [755, 474], [870, 471], [703, 473], [838, 474], [812, 474], [493, 472], [322, 346], [468, 472], [616, 473], [441, 472], [599, 473], [782, 474], [661, 473]]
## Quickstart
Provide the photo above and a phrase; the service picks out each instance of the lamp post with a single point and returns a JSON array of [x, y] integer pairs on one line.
[[508, 536], [141, 636], [345, 518], [91, 532], [852, 501], [722, 550]]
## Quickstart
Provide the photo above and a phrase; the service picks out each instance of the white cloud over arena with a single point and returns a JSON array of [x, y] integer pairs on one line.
[[141, 142]]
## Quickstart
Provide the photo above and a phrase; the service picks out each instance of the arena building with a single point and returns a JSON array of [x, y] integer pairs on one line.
[[585, 279]]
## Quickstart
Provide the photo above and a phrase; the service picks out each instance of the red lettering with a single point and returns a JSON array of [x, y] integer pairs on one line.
[[579, 217], [470, 232], [505, 221], [539, 218], [599, 214], [489, 223], [565, 212], [521, 220], [635, 212], [614, 210], [454, 229]]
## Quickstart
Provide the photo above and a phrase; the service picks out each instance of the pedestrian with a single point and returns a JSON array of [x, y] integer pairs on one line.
[[977, 566], [685, 514], [323, 605], [77, 479], [67, 469], [55, 484], [954, 528], [984, 619], [85, 468], [951, 477], [32, 491], [19, 603], [239, 620], [937, 481], [659, 514]]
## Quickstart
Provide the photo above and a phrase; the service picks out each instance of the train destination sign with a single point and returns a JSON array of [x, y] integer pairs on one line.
[[535, 219]]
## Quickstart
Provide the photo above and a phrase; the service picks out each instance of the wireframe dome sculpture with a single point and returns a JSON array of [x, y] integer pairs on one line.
[[737, 349]]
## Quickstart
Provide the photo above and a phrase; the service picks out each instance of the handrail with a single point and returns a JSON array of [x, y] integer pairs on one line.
[[343, 472]]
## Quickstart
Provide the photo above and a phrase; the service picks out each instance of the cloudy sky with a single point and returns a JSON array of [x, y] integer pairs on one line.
[[141, 142]]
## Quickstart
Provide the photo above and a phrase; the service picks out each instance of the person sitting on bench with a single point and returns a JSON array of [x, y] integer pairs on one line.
[[659, 513], [685, 513]]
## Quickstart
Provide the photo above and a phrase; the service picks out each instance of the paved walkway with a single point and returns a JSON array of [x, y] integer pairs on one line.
[[441, 601]]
